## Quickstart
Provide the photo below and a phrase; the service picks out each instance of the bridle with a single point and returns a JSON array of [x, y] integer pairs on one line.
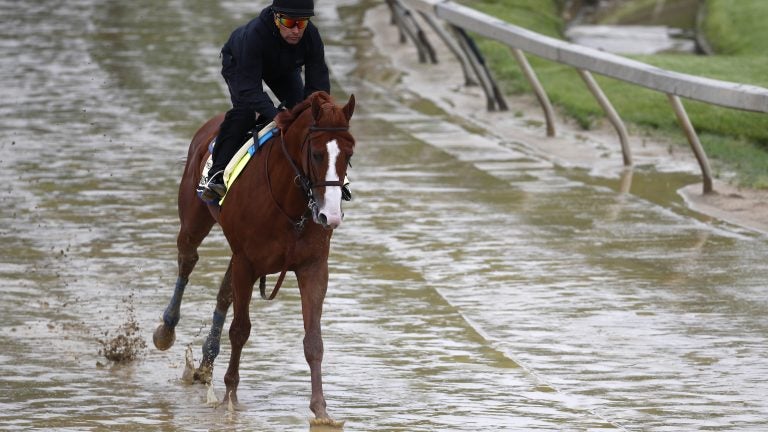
[[304, 180], [306, 184]]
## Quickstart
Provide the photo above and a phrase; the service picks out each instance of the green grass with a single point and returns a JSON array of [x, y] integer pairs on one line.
[[737, 27], [736, 141]]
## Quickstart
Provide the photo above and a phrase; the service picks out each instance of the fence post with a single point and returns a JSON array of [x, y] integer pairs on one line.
[[693, 140], [538, 89], [408, 25], [610, 111], [453, 46], [461, 36]]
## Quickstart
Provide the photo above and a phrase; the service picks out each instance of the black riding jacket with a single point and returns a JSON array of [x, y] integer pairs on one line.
[[256, 52]]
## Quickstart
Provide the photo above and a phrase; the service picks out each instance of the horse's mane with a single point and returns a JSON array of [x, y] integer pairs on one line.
[[284, 119]]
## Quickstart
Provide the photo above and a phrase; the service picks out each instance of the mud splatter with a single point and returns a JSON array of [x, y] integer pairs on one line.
[[127, 345]]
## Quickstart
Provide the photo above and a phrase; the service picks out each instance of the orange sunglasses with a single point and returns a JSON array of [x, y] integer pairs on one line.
[[291, 22]]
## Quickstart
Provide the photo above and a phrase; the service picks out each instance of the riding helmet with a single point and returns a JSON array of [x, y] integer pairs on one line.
[[294, 8]]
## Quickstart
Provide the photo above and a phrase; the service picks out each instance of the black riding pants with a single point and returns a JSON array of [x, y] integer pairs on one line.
[[237, 122]]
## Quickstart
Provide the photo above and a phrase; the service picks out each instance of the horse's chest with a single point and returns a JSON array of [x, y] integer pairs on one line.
[[271, 255]]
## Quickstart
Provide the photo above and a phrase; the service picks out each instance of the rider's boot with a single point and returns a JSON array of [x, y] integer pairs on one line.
[[215, 188]]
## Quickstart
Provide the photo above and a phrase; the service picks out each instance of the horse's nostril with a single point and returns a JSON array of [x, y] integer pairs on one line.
[[323, 219]]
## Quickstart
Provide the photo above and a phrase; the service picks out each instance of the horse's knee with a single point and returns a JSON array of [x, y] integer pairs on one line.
[[186, 240], [313, 347], [239, 333]]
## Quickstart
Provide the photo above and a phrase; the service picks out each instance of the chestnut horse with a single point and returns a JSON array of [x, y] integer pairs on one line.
[[296, 176]]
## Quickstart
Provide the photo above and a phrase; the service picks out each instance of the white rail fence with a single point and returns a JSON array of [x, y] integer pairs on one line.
[[586, 61]]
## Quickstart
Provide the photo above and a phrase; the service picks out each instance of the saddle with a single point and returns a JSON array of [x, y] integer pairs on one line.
[[238, 162]]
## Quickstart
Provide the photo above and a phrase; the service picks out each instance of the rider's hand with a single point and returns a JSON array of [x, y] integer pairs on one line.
[[283, 118]]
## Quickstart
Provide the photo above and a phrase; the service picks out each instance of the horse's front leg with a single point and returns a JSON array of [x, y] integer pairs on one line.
[[212, 343], [313, 283], [240, 329]]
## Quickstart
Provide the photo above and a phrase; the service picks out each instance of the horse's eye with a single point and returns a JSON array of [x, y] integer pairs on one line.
[[349, 161], [317, 157]]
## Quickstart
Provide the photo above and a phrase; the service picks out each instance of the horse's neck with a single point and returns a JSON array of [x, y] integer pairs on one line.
[[300, 134], [291, 144], [281, 181]]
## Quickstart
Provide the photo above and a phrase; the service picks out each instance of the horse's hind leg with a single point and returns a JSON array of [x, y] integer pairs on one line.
[[213, 341], [195, 226]]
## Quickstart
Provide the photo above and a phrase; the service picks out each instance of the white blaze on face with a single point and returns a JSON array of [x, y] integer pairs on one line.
[[331, 205]]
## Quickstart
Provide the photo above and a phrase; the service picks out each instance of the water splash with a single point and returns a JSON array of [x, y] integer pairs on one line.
[[127, 345]]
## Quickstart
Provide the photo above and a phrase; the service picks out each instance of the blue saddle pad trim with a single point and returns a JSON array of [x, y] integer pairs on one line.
[[252, 149], [264, 138]]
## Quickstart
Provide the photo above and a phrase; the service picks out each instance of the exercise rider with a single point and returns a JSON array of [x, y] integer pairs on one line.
[[271, 49]]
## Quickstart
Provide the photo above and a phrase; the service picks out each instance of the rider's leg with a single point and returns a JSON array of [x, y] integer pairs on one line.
[[236, 124]]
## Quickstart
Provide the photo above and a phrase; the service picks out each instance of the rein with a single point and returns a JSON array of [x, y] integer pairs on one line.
[[307, 186]]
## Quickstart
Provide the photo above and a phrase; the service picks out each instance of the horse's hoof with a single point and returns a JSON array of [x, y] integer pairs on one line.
[[325, 423], [163, 338], [203, 374]]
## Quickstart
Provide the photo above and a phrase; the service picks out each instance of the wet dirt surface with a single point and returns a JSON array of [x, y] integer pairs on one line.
[[475, 284]]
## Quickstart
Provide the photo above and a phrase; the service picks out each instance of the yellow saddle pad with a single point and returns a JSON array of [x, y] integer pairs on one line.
[[240, 159]]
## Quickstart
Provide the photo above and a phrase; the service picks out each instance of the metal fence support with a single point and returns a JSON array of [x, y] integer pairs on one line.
[[453, 46], [408, 25], [693, 140], [610, 111], [490, 103], [494, 96], [395, 21], [538, 89]]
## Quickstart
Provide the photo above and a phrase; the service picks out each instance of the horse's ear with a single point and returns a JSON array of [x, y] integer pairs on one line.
[[315, 108], [349, 108]]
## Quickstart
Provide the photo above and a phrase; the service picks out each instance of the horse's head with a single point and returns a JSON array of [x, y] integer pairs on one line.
[[328, 148]]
